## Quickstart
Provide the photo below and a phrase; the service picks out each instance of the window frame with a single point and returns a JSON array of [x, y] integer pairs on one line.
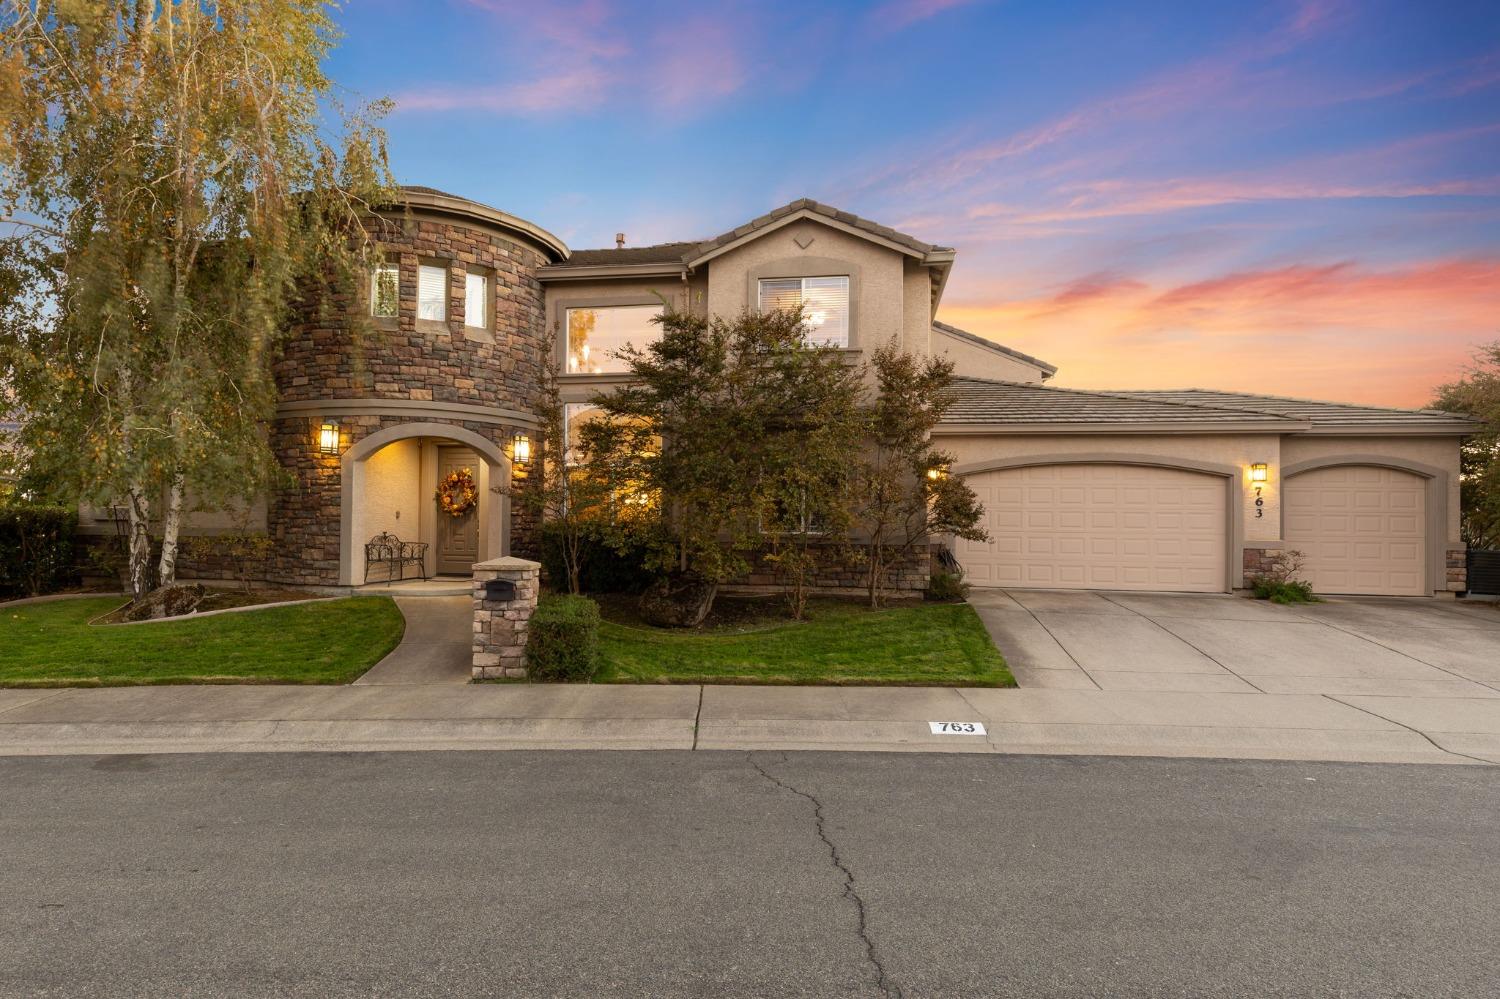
[[848, 342], [392, 267], [441, 266], [488, 299], [566, 305]]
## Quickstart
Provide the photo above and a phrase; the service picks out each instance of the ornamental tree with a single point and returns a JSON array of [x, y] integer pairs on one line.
[[727, 432], [902, 493], [167, 181], [1477, 394]]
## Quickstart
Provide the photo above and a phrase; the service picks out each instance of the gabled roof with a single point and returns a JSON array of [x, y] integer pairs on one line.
[[1048, 370], [1339, 413], [808, 208], [982, 404], [694, 252]]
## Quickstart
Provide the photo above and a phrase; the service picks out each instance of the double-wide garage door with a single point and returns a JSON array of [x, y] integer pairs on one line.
[[1100, 526]]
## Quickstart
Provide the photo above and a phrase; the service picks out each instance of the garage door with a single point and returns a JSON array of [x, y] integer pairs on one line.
[[1362, 529], [1106, 527]]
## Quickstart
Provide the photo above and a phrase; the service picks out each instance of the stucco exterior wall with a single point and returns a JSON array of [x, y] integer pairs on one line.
[[392, 492], [1437, 452], [917, 334], [877, 277], [974, 361]]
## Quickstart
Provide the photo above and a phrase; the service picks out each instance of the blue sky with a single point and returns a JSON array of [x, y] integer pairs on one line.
[[1298, 197]]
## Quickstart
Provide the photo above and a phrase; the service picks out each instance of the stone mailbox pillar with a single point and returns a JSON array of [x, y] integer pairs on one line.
[[505, 594]]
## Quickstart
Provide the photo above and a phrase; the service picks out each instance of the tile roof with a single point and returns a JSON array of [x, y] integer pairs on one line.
[[690, 250], [659, 253], [981, 401], [985, 402], [1315, 411], [1050, 369]]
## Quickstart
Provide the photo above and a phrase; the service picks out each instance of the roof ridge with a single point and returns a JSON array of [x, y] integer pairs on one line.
[[1125, 395], [1301, 399]]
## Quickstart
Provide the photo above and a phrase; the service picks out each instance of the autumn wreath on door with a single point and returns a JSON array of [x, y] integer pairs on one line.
[[457, 494]]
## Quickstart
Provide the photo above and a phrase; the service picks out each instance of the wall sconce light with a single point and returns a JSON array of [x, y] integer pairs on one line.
[[1258, 472], [520, 450], [937, 473], [328, 438]]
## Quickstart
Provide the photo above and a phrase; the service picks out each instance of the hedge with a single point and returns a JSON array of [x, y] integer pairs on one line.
[[562, 641], [38, 549]]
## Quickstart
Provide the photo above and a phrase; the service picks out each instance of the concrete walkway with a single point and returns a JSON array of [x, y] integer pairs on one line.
[[519, 716], [437, 646]]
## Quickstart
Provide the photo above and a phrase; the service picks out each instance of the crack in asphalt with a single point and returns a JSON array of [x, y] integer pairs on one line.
[[882, 982]]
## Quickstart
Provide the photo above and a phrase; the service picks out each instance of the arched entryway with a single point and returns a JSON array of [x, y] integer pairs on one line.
[[389, 484]]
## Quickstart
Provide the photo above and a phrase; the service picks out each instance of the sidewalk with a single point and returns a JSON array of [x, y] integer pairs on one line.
[[1360, 728]]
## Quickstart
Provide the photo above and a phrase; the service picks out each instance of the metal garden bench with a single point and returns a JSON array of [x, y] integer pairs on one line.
[[388, 550]]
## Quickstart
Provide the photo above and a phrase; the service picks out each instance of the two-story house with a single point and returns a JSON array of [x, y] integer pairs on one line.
[[1166, 490]]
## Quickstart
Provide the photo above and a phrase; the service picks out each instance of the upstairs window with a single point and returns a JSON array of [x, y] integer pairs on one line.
[[432, 292], [477, 300], [385, 291], [595, 335], [825, 302]]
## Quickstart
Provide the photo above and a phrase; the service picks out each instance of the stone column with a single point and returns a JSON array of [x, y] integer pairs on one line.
[[500, 625]]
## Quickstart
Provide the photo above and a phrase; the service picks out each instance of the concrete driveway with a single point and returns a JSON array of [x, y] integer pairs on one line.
[[1091, 640]]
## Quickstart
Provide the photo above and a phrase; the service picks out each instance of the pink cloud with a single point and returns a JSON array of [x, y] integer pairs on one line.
[[1337, 330], [897, 14], [579, 56]]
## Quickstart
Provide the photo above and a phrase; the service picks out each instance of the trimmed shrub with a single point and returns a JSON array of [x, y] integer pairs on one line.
[[1279, 583], [1291, 591], [562, 641], [38, 551], [947, 587], [602, 568]]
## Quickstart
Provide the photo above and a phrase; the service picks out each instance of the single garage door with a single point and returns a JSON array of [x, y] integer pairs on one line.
[[1363, 529], [1105, 527]]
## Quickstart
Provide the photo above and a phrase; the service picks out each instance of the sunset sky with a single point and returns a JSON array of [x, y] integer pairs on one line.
[[1289, 197]]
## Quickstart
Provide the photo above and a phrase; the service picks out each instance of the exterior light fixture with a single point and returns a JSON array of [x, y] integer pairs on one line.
[[520, 450], [328, 438], [1258, 472], [937, 473]]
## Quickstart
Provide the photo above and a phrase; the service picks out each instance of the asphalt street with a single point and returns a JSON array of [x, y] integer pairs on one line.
[[755, 874]]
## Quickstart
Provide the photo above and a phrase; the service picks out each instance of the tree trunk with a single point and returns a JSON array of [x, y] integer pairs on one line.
[[138, 544], [171, 526]]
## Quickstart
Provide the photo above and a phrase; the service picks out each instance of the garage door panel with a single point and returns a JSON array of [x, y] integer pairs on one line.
[[1361, 528], [1100, 526]]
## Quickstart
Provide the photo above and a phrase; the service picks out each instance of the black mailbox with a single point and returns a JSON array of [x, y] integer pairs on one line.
[[499, 589]]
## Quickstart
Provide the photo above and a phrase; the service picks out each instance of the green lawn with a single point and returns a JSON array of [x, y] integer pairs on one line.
[[52, 644], [842, 642]]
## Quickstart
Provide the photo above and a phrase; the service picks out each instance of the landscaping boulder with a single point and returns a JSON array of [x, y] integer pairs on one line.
[[681, 600], [168, 601]]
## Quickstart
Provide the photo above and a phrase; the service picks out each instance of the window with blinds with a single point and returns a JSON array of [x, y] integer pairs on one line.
[[477, 300], [385, 291], [825, 302], [432, 292]]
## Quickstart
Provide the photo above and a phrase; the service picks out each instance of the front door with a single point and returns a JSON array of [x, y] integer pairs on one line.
[[457, 537]]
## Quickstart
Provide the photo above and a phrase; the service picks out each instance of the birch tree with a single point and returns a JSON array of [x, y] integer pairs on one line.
[[167, 183]]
